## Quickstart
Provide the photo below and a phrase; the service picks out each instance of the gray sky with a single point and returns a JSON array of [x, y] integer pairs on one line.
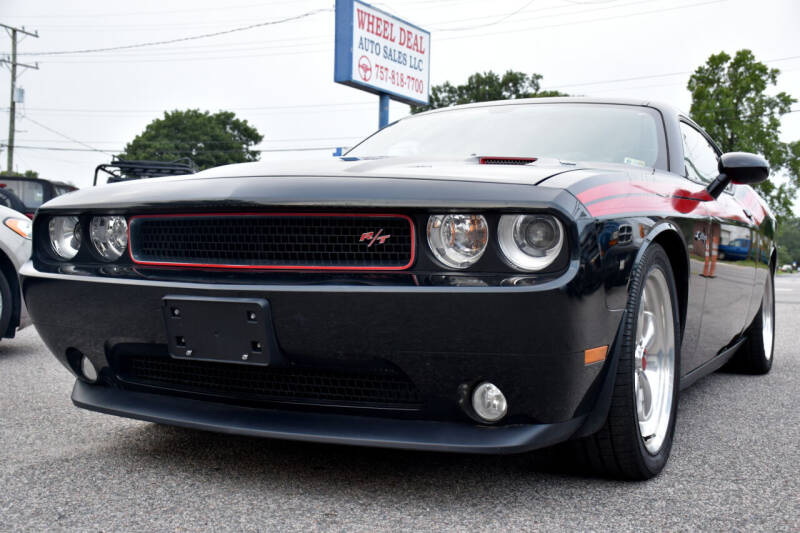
[[280, 78]]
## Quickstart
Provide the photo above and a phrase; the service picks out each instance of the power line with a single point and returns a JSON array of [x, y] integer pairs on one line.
[[495, 22], [182, 39], [575, 23], [324, 41], [167, 12], [183, 59], [256, 108], [51, 130], [536, 14], [652, 76], [327, 48]]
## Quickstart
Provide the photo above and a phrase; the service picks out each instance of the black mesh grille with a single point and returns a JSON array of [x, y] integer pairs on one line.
[[383, 387], [291, 241]]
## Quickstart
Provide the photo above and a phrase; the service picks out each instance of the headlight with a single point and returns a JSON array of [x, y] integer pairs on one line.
[[530, 242], [458, 241], [20, 226], [65, 236], [109, 235]]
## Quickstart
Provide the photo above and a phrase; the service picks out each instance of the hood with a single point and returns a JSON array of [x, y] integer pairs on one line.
[[397, 167], [341, 181]]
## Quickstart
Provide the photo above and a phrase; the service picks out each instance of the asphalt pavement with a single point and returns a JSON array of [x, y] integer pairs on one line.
[[735, 466]]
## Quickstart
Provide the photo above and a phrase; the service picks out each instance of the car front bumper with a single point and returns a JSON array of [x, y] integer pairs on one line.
[[529, 340]]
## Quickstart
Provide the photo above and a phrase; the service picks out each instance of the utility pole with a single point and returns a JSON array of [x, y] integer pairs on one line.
[[12, 108]]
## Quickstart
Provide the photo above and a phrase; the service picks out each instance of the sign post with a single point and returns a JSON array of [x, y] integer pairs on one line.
[[382, 54]]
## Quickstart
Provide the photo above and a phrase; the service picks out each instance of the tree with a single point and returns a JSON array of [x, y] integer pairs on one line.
[[26, 174], [484, 87], [788, 239], [730, 100], [208, 140]]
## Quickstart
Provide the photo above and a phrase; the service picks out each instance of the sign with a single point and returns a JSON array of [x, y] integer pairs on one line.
[[380, 53]]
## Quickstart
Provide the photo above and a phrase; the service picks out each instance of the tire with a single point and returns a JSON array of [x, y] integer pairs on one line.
[[6, 304], [756, 354], [619, 449]]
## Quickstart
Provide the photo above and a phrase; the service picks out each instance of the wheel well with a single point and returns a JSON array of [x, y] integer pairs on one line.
[[679, 261], [773, 261], [10, 273]]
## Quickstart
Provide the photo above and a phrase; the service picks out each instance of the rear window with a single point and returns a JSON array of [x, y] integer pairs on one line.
[[30, 192]]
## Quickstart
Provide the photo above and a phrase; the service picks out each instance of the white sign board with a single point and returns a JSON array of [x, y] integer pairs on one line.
[[380, 53]]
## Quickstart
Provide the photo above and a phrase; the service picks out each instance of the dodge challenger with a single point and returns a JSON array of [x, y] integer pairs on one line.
[[488, 278]]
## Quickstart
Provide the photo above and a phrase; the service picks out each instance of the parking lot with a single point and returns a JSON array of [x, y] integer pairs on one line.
[[734, 466]]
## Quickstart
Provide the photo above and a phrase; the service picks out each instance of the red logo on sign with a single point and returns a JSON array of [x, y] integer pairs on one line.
[[365, 68], [371, 236]]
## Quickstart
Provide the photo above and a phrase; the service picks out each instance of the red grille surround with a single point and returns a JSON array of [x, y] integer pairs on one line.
[[397, 255]]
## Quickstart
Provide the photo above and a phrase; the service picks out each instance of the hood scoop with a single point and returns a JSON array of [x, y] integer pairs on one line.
[[506, 160]]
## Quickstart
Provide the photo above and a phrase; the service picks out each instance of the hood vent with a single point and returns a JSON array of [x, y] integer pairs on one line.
[[506, 160]]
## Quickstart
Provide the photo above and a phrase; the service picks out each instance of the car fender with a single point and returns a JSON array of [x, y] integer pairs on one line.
[[605, 385]]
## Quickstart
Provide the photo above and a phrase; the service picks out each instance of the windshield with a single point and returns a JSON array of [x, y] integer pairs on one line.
[[568, 131], [30, 192]]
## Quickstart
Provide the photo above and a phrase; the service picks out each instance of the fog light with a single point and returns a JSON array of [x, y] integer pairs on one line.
[[88, 370], [488, 402]]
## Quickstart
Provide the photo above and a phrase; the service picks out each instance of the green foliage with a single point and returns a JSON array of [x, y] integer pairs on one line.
[[26, 174], [484, 87], [788, 239], [208, 140], [730, 100]]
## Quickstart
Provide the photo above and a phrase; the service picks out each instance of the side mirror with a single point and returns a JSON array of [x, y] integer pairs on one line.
[[741, 168]]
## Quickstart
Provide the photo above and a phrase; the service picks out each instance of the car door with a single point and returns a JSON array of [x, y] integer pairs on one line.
[[730, 278]]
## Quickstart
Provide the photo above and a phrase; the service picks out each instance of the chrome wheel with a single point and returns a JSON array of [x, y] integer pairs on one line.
[[767, 320], [654, 361]]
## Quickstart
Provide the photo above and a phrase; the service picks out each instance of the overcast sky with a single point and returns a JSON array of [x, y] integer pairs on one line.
[[280, 78]]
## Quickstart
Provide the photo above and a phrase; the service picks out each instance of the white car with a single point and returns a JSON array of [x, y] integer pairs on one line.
[[15, 249], [787, 268]]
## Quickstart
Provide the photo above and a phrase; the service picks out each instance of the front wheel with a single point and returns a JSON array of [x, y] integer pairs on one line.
[[756, 354], [636, 439]]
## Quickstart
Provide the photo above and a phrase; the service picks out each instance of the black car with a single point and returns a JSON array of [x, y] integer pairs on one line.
[[33, 192], [488, 278]]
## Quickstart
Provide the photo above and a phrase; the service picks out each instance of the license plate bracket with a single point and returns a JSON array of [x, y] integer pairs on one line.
[[229, 330]]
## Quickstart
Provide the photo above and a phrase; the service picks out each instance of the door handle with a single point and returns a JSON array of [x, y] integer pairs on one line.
[[748, 213]]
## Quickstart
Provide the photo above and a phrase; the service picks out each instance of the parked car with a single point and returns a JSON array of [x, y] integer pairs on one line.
[[787, 268], [736, 250], [488, 278], [33, 192], [15, 249]]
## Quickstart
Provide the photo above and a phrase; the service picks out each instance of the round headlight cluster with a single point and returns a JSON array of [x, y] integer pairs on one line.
[[109, 236], [65, 236], [530, 242], [458, 241]]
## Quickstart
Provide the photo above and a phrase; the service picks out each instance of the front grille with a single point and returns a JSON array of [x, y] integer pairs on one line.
[[313, 241], [379, 387]]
